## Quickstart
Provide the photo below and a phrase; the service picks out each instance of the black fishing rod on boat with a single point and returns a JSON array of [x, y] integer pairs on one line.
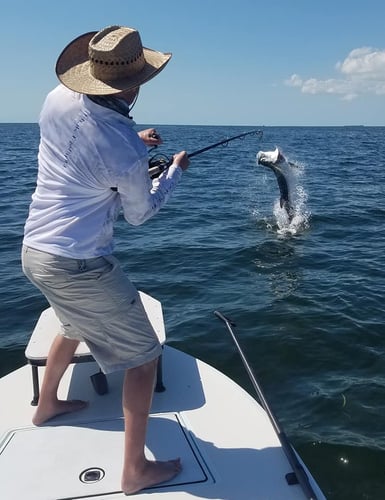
[[160, 162], [300, 474]]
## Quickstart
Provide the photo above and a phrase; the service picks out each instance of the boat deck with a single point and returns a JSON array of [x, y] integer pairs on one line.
[[224, 438]]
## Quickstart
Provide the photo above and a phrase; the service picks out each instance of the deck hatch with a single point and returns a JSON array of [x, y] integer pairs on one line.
[[85, 460]]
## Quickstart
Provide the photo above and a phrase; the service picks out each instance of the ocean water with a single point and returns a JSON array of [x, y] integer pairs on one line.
[[307, 297]]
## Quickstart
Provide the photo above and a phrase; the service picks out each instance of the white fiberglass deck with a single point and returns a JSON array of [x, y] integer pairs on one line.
[[224, 438]]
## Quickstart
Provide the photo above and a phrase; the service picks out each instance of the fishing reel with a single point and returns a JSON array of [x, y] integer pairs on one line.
[[158, 164]]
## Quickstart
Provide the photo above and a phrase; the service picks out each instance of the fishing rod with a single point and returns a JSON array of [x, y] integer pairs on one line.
[[300, 475], [159, 163]]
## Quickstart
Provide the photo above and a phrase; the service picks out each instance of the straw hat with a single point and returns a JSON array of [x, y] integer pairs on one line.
[[108, 62]]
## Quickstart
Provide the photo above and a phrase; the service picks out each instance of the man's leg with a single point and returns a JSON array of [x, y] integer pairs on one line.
[[59, 357], [138, 472]]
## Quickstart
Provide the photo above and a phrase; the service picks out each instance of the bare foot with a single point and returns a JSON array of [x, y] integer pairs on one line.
[[48, 411], [152, 473]]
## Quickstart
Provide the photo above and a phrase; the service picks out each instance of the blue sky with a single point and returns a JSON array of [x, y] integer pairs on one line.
[[239, 62]]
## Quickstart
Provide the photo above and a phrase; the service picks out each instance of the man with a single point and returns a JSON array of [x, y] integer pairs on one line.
[[92, 165]]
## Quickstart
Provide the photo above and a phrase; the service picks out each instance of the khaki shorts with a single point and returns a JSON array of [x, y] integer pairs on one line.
[[95, 302]]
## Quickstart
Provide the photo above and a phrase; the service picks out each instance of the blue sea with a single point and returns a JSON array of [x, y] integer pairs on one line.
[[307, 297]]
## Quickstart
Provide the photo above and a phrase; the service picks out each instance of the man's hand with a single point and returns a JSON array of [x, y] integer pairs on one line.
[[182, 160], [150, 137]]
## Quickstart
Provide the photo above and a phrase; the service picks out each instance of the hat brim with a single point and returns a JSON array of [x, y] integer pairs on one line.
[[73, 69]]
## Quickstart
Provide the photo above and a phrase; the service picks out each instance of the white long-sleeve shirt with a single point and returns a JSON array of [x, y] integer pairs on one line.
[[85, 149]]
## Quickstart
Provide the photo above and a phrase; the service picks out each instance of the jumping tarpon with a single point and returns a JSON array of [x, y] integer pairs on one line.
[[281, 168]]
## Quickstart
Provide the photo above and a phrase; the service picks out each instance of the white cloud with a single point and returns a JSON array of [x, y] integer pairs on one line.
[[362, 72], [365, 63], [294, 81]]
